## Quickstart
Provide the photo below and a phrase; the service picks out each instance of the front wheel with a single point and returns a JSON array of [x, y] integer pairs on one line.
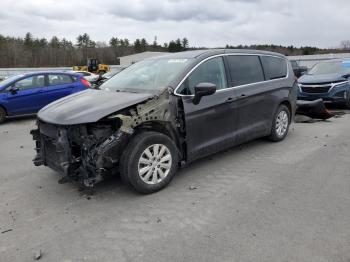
[[149, 162], [2, 115], [280, 125], [347, 103]]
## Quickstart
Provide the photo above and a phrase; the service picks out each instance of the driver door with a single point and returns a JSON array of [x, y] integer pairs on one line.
[[209, 124], [26, 96]]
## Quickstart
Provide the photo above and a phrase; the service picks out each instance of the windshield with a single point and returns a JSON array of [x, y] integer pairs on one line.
[[147, 76], [9, 80], [334, 67], [111, 73]]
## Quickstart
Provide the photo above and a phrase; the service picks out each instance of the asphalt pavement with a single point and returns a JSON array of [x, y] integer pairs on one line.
[[262, 201]]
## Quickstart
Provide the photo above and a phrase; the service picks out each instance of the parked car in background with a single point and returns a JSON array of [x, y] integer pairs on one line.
[[91, 77], [103, 78], [166, 111], [111, 73], [328, 80], [28, 93], [297, 69]]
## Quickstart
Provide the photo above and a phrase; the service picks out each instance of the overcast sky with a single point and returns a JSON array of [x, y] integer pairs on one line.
[[210, 23]]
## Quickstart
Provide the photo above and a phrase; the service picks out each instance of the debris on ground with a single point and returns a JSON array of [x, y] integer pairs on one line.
[[5, 231], [313, 109], [158, 220], [38, 254], [192, 188]]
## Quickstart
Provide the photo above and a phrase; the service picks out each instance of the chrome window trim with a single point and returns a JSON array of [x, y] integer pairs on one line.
[[233, 87]]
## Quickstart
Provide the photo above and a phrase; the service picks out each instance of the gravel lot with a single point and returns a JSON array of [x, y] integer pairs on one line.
[[262, 201]]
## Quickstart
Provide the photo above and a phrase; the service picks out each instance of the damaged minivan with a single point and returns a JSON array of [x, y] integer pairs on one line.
[[164, 112]]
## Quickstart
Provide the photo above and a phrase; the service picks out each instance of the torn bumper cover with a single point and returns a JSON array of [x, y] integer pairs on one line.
[[85, 153], [314, 109]]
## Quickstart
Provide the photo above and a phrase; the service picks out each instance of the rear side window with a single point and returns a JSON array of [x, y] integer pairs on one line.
[[274, 67], [59, 79], [245, 69]]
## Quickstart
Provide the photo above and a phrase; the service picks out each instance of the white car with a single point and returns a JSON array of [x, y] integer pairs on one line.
[[91, 77]]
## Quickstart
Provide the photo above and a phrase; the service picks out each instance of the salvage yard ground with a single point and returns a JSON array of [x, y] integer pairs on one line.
[[262, 201]]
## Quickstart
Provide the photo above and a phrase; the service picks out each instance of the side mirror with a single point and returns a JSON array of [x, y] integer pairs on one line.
[[203, 89], [14, 90]]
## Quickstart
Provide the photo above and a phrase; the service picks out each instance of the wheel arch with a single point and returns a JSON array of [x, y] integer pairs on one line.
[[164, 128], [3, 107]]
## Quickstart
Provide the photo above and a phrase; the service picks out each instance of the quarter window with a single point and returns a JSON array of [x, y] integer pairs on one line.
[[245, 69], [59, 79], [274, 67], [211, 71]]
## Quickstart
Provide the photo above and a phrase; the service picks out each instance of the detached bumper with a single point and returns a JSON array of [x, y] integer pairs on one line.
[[314, 109]]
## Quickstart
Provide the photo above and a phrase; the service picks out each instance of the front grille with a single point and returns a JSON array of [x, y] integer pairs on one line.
[[315, 89]]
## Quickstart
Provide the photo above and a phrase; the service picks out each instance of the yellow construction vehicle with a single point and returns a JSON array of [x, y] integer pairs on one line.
[[93, 66]]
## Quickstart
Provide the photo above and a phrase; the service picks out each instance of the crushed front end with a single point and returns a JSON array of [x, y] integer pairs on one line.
[[84, 152], [88, 152]]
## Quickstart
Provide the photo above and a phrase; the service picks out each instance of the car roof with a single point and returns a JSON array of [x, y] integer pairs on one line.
[[211, 52], [48, 72]]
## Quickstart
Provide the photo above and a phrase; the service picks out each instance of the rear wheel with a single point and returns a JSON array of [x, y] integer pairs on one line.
[[149, 162], [280, 125], [2, 115]]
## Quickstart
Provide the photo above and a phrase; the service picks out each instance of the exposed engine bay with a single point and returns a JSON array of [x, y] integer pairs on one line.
[[89, 152]]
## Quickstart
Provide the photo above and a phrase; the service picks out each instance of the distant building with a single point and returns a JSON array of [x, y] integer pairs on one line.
[[131, 59]]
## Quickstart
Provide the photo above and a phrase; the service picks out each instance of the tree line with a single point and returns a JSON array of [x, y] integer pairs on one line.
[[41, 52], [29, 51]]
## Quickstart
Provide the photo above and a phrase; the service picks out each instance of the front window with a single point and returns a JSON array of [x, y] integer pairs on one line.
[[211, 71], [30, 82], [333, 67], [9, 80], [148, 76]]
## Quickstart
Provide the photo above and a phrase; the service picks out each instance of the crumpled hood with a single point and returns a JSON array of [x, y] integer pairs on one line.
[[321, 79], [88, 106]]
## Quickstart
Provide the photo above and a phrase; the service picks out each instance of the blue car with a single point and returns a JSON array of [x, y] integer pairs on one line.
[[327, 80], [28, 93]]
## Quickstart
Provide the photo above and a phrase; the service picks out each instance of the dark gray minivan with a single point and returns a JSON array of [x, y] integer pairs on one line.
[[164, 112]]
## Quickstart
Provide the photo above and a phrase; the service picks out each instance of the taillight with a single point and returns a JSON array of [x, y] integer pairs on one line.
[[85, 82]]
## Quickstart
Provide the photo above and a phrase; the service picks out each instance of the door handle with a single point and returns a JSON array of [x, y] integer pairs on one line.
[[231, 99]]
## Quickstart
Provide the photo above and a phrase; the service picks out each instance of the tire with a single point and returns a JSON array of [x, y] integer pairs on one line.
[[347, 103], [154, 171], [2, 115], [280, 124]]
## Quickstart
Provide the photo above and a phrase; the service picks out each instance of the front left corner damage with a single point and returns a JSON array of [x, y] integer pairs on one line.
[[89, 152]]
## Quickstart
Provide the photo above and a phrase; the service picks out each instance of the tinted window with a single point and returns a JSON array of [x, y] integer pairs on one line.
[[59, 79], [211, 71], [245, 69], [30, 82], [274, 67]]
